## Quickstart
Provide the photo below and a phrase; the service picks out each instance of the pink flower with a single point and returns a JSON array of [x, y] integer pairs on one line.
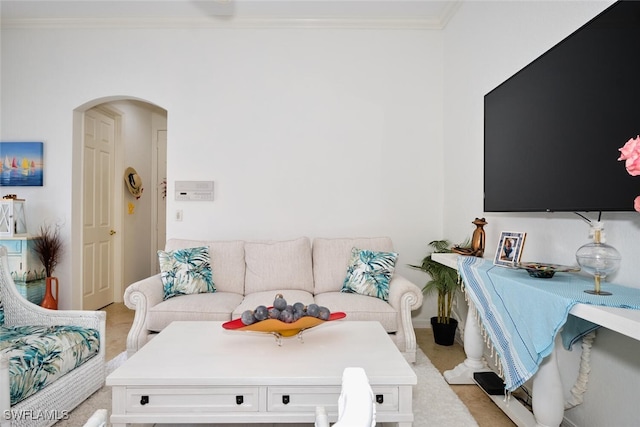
[[633, 166], [630, 153], [629, 148]]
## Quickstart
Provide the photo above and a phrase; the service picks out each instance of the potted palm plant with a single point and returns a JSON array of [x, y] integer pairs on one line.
[[48, 248], [444, 281]]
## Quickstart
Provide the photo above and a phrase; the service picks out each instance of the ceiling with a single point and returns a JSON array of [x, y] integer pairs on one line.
[[430, 13]]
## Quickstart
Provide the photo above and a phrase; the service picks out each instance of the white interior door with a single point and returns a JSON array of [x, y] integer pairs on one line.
[[98, 219]]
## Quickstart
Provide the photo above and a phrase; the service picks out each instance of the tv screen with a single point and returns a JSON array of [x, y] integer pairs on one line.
[[552, 131]]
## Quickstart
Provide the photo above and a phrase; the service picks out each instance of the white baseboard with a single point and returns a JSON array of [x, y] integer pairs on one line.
[[421, 324], [567, 423]]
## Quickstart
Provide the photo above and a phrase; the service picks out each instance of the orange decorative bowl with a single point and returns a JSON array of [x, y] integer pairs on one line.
[[278, 327]]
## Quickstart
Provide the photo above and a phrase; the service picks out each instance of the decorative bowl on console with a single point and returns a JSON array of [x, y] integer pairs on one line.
[[541, 270]]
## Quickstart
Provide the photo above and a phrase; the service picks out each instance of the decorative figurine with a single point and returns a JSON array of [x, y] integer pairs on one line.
[[477, 240]]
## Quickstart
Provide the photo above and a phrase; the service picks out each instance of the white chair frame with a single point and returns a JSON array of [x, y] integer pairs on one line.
[[56, 400]]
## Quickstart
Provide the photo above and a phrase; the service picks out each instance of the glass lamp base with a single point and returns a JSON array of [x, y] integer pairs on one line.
[[594, 292], [598, 259], [597, 290]]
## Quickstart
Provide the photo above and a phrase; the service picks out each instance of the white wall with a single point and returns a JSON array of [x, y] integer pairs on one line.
[[319, 133], [486, 43], [305, 132]]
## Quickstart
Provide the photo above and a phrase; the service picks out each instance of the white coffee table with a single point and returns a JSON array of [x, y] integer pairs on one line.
[[198, 372]]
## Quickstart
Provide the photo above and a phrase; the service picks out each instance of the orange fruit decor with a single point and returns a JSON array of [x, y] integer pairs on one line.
[[274, 326]]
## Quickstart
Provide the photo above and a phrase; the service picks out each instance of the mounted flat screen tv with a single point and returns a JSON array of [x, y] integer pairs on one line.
[[552, 131]]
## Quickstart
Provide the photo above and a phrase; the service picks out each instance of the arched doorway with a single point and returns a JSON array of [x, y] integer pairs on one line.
[[115, 235]]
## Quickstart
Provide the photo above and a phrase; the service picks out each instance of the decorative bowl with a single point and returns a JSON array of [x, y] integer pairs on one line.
[[278, 327], [545, 271]]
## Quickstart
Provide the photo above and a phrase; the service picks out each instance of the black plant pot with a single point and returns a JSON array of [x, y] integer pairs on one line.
[[444, 333]]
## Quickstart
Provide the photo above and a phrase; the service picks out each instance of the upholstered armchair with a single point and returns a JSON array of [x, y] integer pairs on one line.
[[64, 391]]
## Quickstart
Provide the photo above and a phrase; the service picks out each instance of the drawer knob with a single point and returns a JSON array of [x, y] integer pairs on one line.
[[380, 398], [144, 400], [285, 399], [239, 400]]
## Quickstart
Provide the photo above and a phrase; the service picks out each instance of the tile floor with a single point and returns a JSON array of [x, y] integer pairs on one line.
[[119, 319]]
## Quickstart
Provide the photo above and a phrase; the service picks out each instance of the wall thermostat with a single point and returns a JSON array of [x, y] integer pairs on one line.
[[194, 191]]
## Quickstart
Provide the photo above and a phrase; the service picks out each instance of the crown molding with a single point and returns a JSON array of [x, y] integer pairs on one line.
[[449, 12], [217, 23], [400, 23]]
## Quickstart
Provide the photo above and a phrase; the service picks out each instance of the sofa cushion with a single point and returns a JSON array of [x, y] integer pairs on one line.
[[274, 265], [369, 273], [331, 258], [38, 355], [214, 307], [186, 271], [360, 307], [251, 301], [227, 261]]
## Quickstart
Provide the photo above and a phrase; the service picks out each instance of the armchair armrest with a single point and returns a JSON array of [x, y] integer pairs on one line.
[[20, 312], [140, 296]]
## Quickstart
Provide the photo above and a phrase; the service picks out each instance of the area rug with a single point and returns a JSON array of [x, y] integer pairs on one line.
[[434, 403]]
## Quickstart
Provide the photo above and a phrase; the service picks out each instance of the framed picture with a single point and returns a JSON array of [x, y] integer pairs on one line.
[[509, 248], [21, 164]]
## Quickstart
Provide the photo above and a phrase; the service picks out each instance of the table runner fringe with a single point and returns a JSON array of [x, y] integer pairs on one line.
[[494, 355], [579, 388]]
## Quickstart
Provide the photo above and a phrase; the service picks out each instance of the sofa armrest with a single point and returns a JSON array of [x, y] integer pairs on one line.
[[150, 289], [403, 292], [404, 297], [141, 296]]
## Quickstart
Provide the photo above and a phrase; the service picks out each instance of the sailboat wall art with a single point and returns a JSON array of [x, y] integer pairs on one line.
[[21, 164]]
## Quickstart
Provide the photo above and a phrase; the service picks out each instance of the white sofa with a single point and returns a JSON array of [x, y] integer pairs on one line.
[[250, 273]]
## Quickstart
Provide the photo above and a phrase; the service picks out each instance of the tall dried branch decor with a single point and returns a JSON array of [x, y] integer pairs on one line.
[[48, 247]]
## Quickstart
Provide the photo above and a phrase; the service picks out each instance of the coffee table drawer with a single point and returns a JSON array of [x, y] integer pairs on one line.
[[386, 398], [306, 399], [205, 399]]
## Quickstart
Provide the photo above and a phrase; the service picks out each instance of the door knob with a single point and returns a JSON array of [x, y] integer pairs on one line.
[[112, 232]]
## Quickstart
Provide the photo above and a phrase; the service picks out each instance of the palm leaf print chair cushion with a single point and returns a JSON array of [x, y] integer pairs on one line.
[[39, 355]]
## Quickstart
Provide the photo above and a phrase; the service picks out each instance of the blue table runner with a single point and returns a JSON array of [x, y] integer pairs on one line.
[[522, 315]]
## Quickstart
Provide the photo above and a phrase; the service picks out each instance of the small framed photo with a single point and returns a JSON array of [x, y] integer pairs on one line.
[[509, 248]]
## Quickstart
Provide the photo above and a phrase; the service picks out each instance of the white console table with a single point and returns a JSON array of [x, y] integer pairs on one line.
[[548, 406]]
